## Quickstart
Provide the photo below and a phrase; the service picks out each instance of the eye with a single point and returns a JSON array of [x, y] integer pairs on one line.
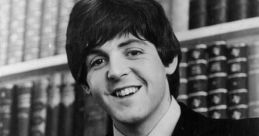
[[97, 62], [134, 52]]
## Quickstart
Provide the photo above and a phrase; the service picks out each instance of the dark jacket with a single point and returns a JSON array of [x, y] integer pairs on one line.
[[195, 124]]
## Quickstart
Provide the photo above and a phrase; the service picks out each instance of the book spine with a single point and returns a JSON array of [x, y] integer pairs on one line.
[[14, 111], [197, 13], [67, 105], [64, 8], [23, 108], [197, 79], [238, 9], [48, 28], [4, 25], [254, 8], [16, 31], [53, 104], [32, 29], [253, 59], [180, 15], [237, 81], [38, 107], [5, 109], [182, 92], [217, 73], [217, 11]]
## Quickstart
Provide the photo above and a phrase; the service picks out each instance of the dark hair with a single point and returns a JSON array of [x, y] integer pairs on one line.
[[94, 22]]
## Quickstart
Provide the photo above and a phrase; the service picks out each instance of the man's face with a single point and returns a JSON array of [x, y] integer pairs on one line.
[[128, 79]]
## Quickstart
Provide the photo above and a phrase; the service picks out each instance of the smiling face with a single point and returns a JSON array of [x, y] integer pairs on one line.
[[128, 79]]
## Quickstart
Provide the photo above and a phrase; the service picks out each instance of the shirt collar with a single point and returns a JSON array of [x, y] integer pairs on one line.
[[166, 125]]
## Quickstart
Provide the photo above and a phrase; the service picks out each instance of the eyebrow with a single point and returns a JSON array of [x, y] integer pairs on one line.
[[122, 44], [95, 51], [130, 41]]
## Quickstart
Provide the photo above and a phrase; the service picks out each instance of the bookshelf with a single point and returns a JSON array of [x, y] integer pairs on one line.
[[243, 30], [33, 68]]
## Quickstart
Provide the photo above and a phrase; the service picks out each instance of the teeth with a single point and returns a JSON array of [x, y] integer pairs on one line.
[[126, 91]]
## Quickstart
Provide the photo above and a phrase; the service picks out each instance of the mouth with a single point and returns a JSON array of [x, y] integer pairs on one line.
[[127, 91]]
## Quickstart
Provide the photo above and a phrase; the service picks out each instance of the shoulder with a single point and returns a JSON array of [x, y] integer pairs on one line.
[[244, 127], [191, 123]]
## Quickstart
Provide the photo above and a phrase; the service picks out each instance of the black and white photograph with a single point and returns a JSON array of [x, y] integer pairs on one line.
[[129, 67]]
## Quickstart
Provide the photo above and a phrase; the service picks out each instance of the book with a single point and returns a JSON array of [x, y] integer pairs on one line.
[[53, 104], [238, 107], [237, 81], [253, 8], [238, 9], [217, 11], [4, 31], [16, 31], [253, 72], [64, 8], [180, 15], [48, 22], [182, 92], [197, 78], [6, 101], [23, 107], [238, 112], [38, 107], [32, 29], [14, 111], [66, 112], [197, 13], [217, 82]]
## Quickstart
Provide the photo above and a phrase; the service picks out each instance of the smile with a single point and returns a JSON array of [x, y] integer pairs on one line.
[[125, 91]]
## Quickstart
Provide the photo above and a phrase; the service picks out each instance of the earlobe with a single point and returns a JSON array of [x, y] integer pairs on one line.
[[170, 69], [86, 89]]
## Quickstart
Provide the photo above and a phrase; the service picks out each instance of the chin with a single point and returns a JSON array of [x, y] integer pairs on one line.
[[131, 118]]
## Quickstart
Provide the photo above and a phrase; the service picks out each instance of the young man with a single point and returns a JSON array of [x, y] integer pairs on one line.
[[125, 54]]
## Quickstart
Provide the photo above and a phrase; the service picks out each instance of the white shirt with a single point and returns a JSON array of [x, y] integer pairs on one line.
[[166, 125]]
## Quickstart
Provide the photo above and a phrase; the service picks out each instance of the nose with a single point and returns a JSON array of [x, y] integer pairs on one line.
[[117, 68]]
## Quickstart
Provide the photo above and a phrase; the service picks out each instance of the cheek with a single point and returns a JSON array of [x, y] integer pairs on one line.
[[156, 75], [97, 87], [154, 70], [95, 80], [89, 80]]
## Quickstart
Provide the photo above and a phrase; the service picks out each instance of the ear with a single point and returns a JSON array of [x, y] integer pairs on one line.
[[172, 66], [86, 89]]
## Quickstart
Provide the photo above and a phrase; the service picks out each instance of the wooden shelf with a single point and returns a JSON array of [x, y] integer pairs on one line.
[[246, 30], [243, 30], [32, 68]]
